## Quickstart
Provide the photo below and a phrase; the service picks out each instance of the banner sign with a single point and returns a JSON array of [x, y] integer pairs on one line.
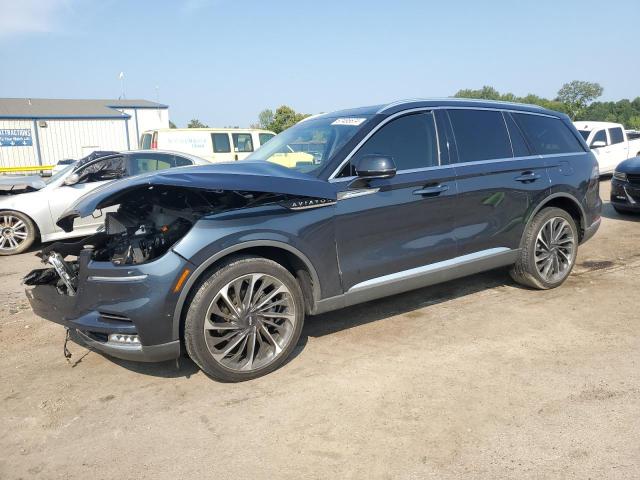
[[15, 137]]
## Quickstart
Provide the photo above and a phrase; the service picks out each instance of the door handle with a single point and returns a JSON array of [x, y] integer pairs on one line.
[[527, 177], [434, 190]]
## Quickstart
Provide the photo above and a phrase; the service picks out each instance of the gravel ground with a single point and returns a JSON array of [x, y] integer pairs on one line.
[[476, 378]]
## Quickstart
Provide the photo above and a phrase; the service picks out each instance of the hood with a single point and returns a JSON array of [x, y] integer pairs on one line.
[[631, 165], [20, 183], [245, 176]]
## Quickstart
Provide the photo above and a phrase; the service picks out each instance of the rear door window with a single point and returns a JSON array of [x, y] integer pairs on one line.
[[242, 142], [221, 143], [616, 135], [480, 135], [547, 135]]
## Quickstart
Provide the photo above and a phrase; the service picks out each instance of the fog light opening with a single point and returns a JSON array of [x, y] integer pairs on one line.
[[125, 339]]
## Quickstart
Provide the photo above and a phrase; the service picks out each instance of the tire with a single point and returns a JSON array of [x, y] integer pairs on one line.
[[17, 232], [542, 268], [621, 211], [219, 334]]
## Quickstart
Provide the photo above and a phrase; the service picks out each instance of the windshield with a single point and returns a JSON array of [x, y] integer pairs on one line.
[[59, 175], [585, 134], [310, 144]]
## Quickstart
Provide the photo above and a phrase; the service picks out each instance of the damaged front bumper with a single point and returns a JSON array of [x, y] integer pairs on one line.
[[123, 311]]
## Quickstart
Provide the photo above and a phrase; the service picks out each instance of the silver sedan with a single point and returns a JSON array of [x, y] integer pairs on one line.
[[26, 217]]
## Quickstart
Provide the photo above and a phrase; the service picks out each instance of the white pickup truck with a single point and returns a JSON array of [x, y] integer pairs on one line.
[[610, 143]]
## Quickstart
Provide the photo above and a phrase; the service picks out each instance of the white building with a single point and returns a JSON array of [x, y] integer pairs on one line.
[[41, 131]]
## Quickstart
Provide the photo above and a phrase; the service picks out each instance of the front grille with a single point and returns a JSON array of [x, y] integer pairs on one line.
[[633, 178], [634, 193]]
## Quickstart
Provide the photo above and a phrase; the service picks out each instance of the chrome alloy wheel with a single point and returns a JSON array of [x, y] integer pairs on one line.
[[555, 249], [250, 322], [13, 232]]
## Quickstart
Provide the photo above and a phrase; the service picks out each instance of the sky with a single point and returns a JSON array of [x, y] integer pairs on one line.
[[224, 61]]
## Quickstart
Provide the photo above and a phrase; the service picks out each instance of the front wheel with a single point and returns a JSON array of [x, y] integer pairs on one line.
[[244, 320], [548, 250], [17, 232]]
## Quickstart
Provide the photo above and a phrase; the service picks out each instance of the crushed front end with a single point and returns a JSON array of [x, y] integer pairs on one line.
[[119, 288], [122, 305]]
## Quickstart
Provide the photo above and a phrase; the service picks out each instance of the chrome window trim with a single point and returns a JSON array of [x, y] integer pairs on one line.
[[463, 164], [418, 271], [432, 109], [360, 192]]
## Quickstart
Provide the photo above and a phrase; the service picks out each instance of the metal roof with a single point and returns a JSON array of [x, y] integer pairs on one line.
[[69, 108]]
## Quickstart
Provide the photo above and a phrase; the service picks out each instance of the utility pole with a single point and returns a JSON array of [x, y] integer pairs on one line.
[[121, 77]]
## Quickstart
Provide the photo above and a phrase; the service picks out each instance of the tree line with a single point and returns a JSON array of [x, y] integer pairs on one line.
[[576, 98]]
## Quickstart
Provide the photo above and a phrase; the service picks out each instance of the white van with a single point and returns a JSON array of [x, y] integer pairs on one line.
[[212, 144]]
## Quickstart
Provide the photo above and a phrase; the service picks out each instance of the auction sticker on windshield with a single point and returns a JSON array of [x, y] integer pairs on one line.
[[354, 122]]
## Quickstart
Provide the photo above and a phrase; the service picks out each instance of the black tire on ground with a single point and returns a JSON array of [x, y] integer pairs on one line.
[[524, 271], [24, 232], [623, 211], [620, 210], [207, 290]]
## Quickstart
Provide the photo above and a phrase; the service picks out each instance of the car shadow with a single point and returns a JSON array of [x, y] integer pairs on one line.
[[609, 212], [381, 309], [346, 318]]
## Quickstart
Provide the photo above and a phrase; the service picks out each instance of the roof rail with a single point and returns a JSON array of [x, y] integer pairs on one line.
[[455, 99]]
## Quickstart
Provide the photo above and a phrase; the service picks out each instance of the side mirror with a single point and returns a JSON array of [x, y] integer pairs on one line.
[[72, 179], [375, 166], [598, 144]]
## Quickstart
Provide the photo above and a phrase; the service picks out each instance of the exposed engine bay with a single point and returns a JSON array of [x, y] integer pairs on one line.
[[145, 226]]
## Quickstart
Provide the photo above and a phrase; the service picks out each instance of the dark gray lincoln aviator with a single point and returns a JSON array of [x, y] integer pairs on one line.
[[225, 260]]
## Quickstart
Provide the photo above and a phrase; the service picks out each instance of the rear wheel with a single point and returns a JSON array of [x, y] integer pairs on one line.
[[245, 319], [548, 251], [17, 232]]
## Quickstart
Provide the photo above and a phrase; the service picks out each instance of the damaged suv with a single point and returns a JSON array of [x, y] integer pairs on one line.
[[224, 261]]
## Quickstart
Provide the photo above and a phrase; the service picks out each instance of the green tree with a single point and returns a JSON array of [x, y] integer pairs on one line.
[[626, 112], [195, 123], [265, 118], [577, 95], [485, 93], [283, 118], [172, 125]]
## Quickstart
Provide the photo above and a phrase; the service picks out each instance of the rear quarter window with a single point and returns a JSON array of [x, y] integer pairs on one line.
[[547, 135]]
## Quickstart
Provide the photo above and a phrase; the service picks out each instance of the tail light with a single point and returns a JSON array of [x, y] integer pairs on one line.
[[154, 142]]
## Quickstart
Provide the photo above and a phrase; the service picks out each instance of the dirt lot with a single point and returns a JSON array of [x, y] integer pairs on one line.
[[476, 378]]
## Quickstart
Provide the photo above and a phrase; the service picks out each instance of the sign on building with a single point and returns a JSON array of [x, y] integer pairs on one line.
[[15, 137]]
